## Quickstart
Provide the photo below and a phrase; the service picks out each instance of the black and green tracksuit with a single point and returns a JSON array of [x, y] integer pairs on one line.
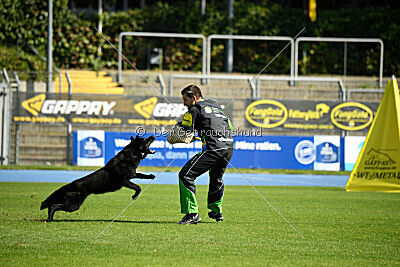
[[215, 130]]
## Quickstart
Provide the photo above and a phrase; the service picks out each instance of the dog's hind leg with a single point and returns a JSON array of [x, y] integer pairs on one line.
[[53, 208], [72, 202], [135, 187]]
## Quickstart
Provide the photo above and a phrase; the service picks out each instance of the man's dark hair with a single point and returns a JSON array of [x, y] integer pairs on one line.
[[192, 90]]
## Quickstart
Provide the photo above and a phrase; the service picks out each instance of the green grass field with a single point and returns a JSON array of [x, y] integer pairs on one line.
[[340, 228]]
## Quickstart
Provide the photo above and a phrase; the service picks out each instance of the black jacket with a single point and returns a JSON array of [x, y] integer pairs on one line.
[[212, 125]]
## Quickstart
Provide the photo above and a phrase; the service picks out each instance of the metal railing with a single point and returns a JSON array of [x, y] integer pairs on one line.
[[34, 50], [294, 48], [364, 91], [5, 121], [162, 84], [249, 37], [211, 77], [342, 40], [298, 79], [255, 89], [161, 35], [69, 125]]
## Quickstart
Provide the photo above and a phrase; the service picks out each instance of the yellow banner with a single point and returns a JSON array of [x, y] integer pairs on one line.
[[378, 165]]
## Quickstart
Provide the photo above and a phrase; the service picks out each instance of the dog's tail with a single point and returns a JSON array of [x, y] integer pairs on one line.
[[45, 204]]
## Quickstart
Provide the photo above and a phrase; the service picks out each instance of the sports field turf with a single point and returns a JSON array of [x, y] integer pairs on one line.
[[340, 228]]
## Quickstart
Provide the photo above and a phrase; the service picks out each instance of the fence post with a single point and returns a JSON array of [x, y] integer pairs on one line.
[[5, 110], [17, 126], [2, 87], [162, 84], [69, 127]]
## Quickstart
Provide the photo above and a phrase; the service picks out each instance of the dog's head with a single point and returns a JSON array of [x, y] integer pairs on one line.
[[140, 146]]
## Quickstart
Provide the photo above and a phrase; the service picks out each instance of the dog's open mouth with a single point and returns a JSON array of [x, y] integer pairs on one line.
[[150, 140]]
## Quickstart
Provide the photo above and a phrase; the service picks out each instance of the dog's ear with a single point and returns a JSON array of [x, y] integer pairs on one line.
[[132, 139]]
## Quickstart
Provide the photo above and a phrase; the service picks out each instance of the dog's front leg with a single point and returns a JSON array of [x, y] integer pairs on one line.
[[144, 176], [135, 187]]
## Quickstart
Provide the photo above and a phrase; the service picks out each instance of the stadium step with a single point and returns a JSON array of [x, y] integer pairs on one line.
[[134, 83], [88, 82]]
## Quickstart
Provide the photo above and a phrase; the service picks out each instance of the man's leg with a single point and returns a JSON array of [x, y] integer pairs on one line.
[[195, 167], [216, 187]]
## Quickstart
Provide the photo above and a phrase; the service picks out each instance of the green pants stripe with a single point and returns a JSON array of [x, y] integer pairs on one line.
[[196, 166], [188, 199]]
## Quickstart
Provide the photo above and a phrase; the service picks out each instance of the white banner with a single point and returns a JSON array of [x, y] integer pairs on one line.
[[90, 148], [327, 153], [352, 148]]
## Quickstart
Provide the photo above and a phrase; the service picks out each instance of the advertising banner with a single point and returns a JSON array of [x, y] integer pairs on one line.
[[100, 109], [309, 115], [89, 148], [165, 152], [352, 148], [274, 152], [265, 152], [269, 152], [327, 153]]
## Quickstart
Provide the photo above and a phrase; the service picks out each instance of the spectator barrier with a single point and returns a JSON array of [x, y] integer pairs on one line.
[[334, 153]]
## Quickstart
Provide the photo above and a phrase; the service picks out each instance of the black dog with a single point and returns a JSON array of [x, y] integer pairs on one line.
[[116, 174]]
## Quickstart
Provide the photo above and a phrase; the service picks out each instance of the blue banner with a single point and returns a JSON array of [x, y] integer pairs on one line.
[[165, 152], [267, 152], [274, 152], [256, 152]]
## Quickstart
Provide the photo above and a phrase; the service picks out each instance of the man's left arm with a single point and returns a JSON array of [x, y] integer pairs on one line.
[[190, 117], [189, 120]]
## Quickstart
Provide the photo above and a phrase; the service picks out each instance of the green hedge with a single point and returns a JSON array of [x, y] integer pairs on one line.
[[74, 43], [14, 58], [75, 39]]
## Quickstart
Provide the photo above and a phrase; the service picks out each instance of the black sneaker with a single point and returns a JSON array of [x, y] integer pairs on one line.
[[190, 218], [216, 216]]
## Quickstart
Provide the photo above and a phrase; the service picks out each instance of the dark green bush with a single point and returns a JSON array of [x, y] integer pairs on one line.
[[76, 41]]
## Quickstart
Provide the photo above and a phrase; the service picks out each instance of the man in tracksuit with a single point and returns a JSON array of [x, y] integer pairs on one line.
[[215, 130]]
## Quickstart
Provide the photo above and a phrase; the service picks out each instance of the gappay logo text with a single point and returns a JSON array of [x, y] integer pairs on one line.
[[157, 114], [52, 111]]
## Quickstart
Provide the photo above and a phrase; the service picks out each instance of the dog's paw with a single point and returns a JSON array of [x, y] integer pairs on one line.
[[135, 196], [151, 176]]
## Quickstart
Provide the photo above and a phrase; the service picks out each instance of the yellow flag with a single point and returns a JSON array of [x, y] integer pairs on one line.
[[378, 165], [312, 10]]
